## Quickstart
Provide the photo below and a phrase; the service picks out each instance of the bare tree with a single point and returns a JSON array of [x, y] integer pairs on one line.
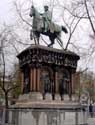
[[77, 12], [71, 23], [87, 84], [6, 80], [83, 11]]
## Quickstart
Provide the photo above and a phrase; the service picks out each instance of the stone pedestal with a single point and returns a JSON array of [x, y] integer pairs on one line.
[[48, 113], [48, 97], [46, 75], [32, 96], [47, 70], [36, 96]]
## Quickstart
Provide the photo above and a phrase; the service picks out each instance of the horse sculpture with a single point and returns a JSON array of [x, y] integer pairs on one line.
[[37, 29]]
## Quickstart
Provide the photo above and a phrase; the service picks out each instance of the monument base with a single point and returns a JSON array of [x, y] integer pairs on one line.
[[37, 96], [30, 96], [47, 112]]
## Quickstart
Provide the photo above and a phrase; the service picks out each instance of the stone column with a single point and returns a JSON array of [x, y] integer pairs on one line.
[[36, 115], [35, 84], [56, 83], [20, 117], [84, 117], [31, 79], [49, 118], [76, 117], [15, 117], [53, 84], [38, 79], [34, 81], [70, 86], [58, 118], [22, 81], [57, 95], [56, 80]]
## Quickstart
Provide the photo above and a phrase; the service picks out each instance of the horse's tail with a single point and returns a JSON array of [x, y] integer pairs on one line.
[[64, 29]]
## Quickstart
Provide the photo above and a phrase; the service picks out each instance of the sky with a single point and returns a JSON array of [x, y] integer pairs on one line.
[[6, 11], [7, 15]]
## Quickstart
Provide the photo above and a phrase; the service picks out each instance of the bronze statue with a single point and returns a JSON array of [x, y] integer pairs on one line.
[[42, 24], [47, 20]]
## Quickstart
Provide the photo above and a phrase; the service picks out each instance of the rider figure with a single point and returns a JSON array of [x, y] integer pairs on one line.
[[47, 20]]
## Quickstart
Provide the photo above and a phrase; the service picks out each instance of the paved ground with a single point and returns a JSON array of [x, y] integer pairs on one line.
[[91, 121]]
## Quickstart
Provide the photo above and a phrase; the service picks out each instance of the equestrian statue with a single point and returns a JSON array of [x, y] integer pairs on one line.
[[42, 24]]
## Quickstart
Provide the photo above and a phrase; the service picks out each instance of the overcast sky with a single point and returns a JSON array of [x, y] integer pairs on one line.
[[5, 10], [7, 13]]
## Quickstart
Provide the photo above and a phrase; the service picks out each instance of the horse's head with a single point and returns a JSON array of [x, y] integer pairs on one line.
[[32, 11]]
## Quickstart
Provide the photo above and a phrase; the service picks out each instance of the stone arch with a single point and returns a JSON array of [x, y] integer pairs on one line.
[[63, 81], [66, 77], [26, 77], [45, 79]]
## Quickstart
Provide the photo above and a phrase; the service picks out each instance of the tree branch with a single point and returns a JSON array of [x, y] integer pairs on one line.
[[3, 82], [12, 88], [20, 15], [91, 23], [72, 34]]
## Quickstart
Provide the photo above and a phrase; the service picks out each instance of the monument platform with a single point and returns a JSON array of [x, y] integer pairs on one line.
[[46, 78], [47, 70], [48, 112], [35, 100]]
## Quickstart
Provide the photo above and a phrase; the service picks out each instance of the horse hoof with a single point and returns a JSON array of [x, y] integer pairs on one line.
[[48, 45]]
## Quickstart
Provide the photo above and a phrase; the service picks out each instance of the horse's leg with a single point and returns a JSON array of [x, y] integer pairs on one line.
[[34, 35], [64, 29], [60, 41], [38, 36], [52, 41], [35, 39], [31, 35]]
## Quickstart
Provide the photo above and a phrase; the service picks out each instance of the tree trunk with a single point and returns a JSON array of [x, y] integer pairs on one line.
[[6, 107]]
